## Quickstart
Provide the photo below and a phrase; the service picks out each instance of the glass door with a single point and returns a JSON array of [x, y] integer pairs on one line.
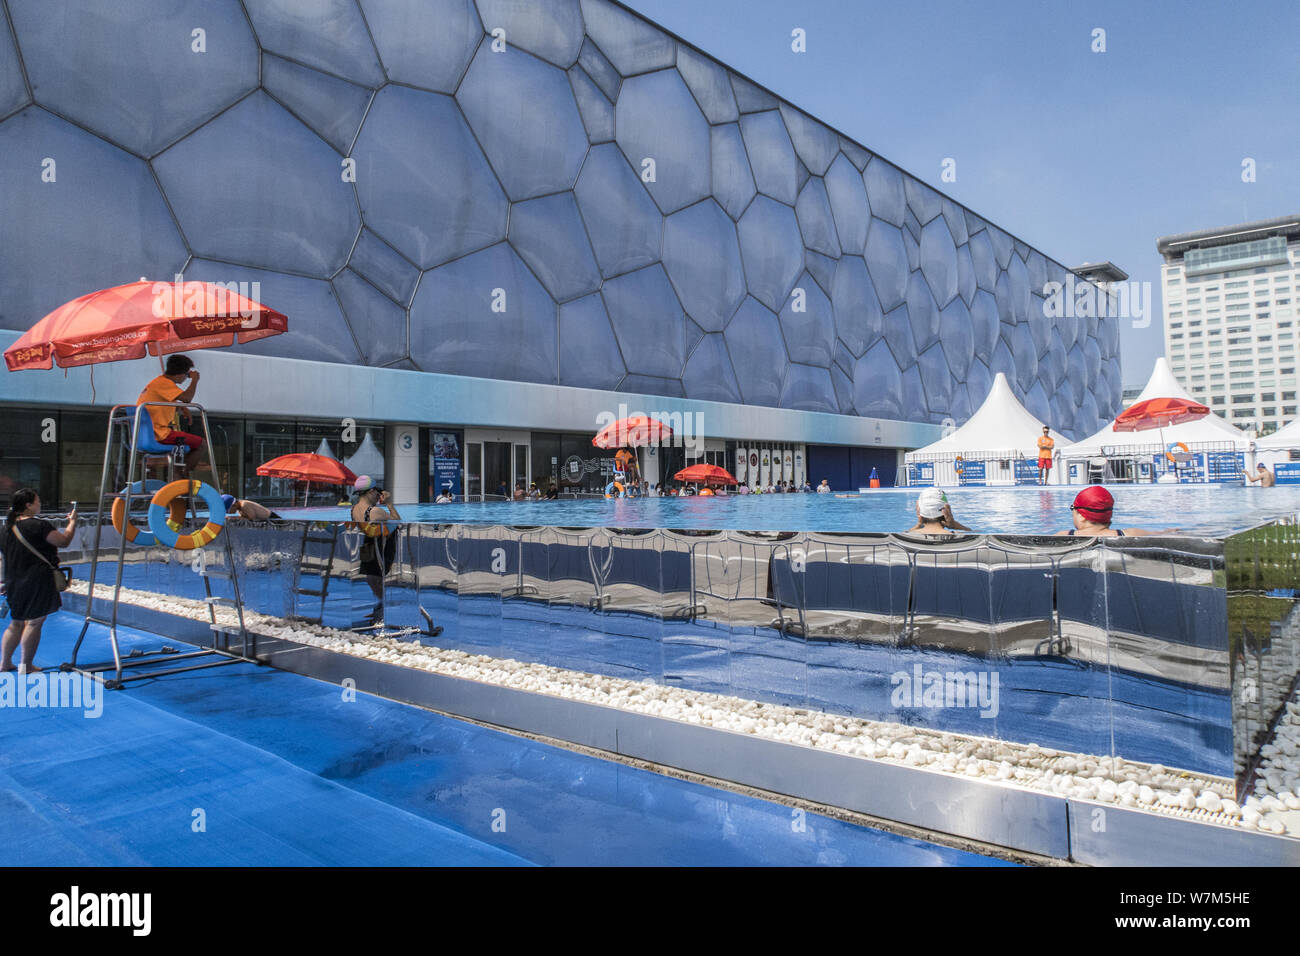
[[473, 470], [521, 467], [496, 469]]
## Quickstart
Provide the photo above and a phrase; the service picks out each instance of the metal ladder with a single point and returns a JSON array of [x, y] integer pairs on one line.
[[119, 418], [322, 567]]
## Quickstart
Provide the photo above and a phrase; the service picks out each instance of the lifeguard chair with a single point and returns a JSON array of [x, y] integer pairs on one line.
[[128, 451]]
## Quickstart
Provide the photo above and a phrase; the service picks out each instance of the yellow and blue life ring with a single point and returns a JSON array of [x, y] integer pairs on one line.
[[159, 513], [609, 490], [1169, 452]]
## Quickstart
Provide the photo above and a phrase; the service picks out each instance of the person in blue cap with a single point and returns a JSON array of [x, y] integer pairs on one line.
[[251, 510]]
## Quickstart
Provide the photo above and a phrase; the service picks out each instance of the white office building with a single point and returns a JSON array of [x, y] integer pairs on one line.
[[1231, 318]]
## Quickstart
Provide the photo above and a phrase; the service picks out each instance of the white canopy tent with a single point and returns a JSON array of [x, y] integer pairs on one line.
[[1204, 436], [1281, 440], [992, 440]]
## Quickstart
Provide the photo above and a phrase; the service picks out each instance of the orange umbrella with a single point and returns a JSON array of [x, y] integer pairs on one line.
[[709, 474], [127, 321], [308, 466], [636, 431], [1158, 413]]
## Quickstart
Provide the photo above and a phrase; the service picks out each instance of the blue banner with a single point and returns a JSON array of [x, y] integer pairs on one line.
[[972, 473], [920, 473], [1188, 472], [1225, 467], [1288, 472], [444, 462], [1026, 471]]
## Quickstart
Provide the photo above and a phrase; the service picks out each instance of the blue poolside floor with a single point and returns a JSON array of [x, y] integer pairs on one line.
[[287, 772]]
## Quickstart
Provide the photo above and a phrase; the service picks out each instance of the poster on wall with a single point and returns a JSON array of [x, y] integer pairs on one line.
[[742, 461], [444, 462]]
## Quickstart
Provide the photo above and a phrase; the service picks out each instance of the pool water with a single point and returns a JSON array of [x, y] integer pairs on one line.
[[1203, 510]]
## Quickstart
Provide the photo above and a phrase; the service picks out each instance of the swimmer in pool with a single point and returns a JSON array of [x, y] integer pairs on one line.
[[249, 510], [1092, 511], [1265, 477], [934, 515]]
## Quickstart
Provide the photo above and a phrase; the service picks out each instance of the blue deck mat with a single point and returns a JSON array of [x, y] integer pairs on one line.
[[288, 773]]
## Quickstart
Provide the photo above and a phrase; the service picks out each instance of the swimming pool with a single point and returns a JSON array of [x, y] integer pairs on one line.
[[1204, 510]]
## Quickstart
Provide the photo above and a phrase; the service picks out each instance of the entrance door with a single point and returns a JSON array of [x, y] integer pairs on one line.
[[496, 468], [474, 470], [521, 467]]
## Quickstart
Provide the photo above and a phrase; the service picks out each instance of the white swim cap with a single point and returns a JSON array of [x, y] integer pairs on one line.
[[931, 502]]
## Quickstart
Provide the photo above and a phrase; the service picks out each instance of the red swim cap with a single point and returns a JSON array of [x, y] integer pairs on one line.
[[1095, 501]]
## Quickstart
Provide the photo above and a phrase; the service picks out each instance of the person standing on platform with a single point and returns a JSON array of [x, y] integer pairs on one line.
[[1045, 445]]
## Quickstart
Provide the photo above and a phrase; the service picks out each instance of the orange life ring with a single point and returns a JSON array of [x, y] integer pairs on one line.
[[175, 518], [1169, 452]]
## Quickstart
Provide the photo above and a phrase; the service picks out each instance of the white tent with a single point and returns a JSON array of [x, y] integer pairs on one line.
[[367, 459], [1283, 438], [1001, 432], [1204, 436], [1208, 431]]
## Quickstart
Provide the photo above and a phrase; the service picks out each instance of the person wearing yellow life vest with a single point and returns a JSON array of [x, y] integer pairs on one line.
[[625, 460], [371, 513], [1045, 445]]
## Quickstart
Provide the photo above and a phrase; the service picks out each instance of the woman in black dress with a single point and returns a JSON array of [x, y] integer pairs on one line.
[[28, 580]]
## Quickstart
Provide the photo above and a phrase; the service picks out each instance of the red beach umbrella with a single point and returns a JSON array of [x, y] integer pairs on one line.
[[308, 466], [709, 474], [1159, 413], [635, 432], [126, 321]]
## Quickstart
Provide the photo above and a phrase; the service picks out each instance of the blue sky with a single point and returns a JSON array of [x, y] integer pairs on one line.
[[1086, 156]]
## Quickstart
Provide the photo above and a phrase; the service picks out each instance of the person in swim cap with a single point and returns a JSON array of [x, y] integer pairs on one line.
[[1092, 511], [934, 514], [250, 510]]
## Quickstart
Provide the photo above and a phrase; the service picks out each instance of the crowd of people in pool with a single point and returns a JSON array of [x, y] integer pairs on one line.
[[644, 489]]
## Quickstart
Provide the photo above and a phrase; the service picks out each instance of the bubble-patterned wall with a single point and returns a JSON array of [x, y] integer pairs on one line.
[[555, 192]]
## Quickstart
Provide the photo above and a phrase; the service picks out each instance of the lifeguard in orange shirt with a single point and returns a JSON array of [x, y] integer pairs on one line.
[[1045, 445]]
